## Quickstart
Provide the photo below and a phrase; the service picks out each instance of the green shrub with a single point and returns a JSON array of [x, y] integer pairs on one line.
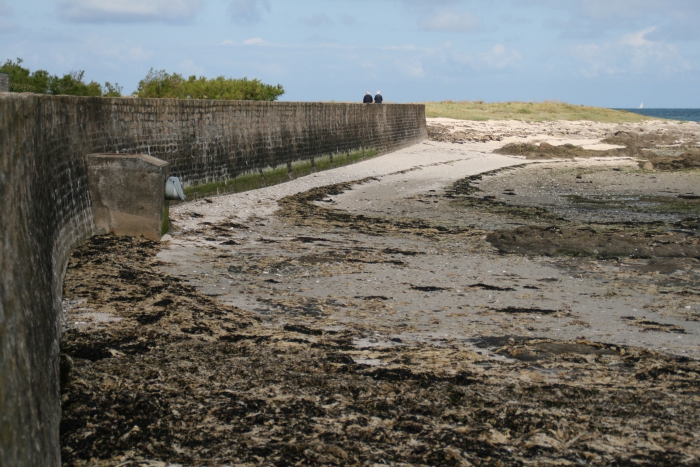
[[22, 80], [161, 84], [72, 84], [41, 82], [112, 90]]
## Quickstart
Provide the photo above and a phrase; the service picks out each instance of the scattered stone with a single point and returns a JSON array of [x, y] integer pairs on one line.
[[548, 151], [584, 241], [649, 325], [438, 132], [687, 160]]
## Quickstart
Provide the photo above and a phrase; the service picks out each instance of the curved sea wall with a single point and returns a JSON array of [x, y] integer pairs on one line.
[[46, 210]]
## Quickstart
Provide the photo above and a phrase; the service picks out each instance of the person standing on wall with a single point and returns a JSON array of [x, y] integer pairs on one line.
[[378, 98], [368, 98]]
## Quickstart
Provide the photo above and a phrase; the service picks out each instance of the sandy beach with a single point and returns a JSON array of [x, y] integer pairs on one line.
[[508, 291], [412, 184]]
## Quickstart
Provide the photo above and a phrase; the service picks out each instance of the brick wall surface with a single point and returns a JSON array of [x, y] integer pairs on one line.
[[45, 207]]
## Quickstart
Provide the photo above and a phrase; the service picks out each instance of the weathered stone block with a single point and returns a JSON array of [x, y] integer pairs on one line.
[[128, 194], [4, 82]]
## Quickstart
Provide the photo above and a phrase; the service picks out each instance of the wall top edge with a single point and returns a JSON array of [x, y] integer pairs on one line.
[[31, 96]]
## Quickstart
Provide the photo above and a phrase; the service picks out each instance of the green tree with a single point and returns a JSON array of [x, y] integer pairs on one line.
[[41, 82], [72, 84], [22, 80], [160, 84], [112, 90]]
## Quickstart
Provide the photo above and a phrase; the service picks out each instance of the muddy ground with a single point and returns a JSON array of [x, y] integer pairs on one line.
[[439, 306]]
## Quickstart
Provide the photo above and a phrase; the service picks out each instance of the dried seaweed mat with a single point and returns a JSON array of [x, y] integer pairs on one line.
[[176, 378]]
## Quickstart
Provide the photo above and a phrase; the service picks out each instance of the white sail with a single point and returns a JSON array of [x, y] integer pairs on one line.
[[641, 106]]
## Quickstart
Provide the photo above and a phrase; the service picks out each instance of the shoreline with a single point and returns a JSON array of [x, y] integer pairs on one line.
[[374, 314], [413, 173]]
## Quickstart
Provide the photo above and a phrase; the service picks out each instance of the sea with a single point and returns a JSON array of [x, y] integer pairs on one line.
[[689, 115]]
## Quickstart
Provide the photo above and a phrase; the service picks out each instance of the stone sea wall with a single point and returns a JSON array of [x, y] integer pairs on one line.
[[4, 82], [45, 206]]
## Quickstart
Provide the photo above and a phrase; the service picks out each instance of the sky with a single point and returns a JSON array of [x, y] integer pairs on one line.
[[611, 53]]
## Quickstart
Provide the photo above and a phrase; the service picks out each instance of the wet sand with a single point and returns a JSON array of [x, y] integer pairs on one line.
[[441, 305], [579, 298]]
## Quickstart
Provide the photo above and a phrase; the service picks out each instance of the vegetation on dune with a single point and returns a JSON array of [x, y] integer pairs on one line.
[[42, 82], [159, 83], [528, 111]]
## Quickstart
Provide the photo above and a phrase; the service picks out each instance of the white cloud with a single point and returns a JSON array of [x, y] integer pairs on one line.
[[500, 57], [137, 53], [427, 5], [592, 18], [619, 9], [401, 47], [96, 53], [248, 12], [459, 56], [411, 68], [229, 42], [632, 53], [255, 41], [128, 11], [448, 19], [188, 67], [125, 52], [616, 10], [638, 39], [367, 64]]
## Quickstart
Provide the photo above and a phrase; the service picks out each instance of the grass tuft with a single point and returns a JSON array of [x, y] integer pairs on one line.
[[301, 168], [273, 176], [322, 163]]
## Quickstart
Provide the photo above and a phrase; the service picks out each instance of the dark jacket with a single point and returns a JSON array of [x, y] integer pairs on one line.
[[367, 99], [378, 99]]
